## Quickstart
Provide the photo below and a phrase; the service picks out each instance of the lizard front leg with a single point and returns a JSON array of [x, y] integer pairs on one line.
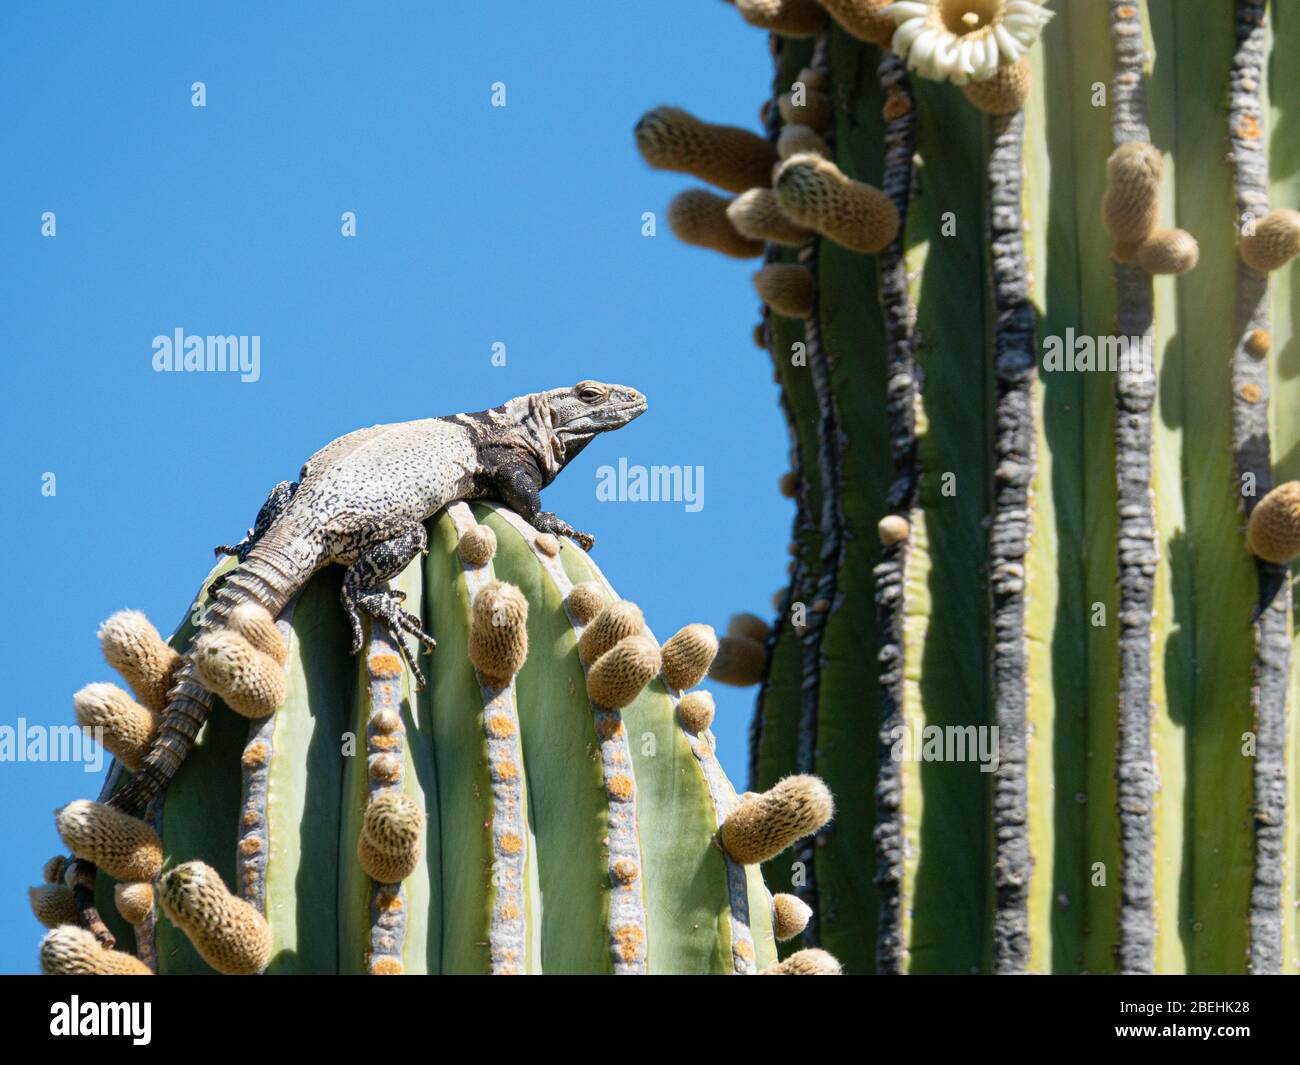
[[518, 488], [389, 550]]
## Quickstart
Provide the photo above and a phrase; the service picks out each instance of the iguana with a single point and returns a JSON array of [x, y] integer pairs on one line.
[[362, 501]]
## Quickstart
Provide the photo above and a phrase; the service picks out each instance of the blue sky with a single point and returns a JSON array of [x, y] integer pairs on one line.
[[475, 225]]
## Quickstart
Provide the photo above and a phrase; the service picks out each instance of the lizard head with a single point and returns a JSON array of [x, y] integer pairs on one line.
[[560, 423], [590, 407]]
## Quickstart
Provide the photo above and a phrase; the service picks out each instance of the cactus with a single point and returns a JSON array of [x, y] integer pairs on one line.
[[541, 806], [1061, 551]]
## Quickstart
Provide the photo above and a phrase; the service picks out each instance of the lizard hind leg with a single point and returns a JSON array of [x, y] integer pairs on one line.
[[277, 501], [366, 590]]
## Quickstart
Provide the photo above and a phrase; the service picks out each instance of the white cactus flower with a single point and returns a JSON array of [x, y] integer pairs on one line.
[[964, 40]]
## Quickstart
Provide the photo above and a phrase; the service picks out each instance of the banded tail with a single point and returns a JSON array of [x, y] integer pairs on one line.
[[270, 575]]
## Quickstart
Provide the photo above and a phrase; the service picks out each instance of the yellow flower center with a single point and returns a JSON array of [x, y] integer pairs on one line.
[[964, 17]]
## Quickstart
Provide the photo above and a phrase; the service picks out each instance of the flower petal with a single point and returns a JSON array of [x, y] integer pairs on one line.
[[1011, 48], [923, 49], [906, 9], [945, 55], [905, 35]]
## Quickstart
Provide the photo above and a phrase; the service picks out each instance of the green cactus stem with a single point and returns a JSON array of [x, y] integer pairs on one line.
[[554, 834]]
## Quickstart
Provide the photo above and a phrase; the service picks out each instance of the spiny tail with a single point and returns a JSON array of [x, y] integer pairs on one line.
[[269, 576]]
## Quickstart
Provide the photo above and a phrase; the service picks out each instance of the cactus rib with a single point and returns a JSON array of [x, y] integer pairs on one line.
[[627, 919], [831, 526], [723, 799], [388, 901], [255, 772], [1135, 391], [1014, 439], [507, 930], [891, 573], [1251, 445]]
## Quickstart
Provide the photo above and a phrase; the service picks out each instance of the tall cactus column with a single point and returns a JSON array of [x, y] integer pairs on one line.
[[1247, 129], [1060, 398]]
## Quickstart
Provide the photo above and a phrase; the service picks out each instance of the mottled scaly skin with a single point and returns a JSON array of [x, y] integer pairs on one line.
[[361, 502]]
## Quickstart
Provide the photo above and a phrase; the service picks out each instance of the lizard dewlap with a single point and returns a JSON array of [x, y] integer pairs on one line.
[[763, 825], [132, 646], [498, 641], [123, 846], [128, 728], [614, 622], [229, 934], [72, 951], [687, 656]]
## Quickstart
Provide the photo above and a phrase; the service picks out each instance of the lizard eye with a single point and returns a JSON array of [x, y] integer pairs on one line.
[[589, 395]]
